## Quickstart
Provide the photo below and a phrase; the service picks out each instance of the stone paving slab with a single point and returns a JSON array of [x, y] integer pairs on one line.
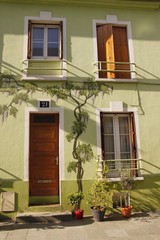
[[138, 227]]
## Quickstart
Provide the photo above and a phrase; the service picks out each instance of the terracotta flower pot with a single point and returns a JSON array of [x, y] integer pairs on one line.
[[126, 211]]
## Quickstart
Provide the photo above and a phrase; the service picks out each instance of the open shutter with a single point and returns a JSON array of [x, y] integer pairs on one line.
[[105, 50], [133, 139], [101, 50], [121, 52], [102, 135], [29, 39]]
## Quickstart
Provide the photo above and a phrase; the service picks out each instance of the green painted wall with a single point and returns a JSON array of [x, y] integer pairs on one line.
[[145, 94]]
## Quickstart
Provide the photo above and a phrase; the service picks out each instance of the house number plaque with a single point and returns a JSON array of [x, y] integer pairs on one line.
[[44, 104]]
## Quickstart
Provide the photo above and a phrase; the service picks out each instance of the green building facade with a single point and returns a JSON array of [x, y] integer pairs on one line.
[[52, 42]]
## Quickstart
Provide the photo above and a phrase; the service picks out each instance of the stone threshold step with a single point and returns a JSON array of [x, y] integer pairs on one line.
[[43, 217], [45, 208]]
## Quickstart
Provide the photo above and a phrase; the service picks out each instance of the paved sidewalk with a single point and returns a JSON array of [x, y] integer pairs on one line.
[[138, 227]]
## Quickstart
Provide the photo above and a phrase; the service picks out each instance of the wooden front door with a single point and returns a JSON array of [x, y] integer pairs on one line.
[[44, 158]]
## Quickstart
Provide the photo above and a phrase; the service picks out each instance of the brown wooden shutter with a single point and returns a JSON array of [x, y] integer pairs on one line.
[[101, 47], [110, 51], [29, 39], [102, 135], [121, 51], [105, 47], [133, 139]]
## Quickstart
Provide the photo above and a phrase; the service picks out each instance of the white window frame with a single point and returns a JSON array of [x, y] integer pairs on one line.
[[111, 110], [45, 54], [45, 17], [112, 19], [116, 133]]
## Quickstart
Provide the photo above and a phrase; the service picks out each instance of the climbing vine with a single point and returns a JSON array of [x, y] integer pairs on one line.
[[80, 93]]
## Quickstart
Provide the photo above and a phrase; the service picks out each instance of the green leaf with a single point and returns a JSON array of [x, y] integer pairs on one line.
[[85, 152], [75, 198], [69, 137], [13, 111], [72, 167]]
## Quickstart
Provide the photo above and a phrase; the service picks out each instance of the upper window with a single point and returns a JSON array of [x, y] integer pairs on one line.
[[113, 52], [118, 142], [44, 48], [44, 40]]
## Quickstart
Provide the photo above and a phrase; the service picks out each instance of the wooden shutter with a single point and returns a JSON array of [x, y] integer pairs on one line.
[[110, 52], [133, 139], [102, 135], [101, 49], [121, 51], [105, 47], [29, 39]]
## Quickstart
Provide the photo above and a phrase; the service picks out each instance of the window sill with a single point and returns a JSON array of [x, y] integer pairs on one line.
[[119, 179], [38, 70], [117, 80], [57, 59], [42, 78]]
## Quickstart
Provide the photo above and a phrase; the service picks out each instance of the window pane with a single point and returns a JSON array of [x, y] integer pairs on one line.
[[109, 156], [108, 125], [124, 143], [125, 156], [53, 42], [44, 118], [125, 148], [53, 50], [37, 41], [108, 144], [53, 34], [123, 125], [108, 138]]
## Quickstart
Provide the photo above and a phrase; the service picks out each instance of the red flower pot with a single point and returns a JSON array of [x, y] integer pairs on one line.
[[126, 211], [79, 214]]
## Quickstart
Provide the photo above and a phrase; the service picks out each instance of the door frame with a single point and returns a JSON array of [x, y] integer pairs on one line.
[[53, 110]]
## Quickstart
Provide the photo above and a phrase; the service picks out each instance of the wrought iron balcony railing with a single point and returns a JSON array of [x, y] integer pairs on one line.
[[119, 167], [124, 70], [44, 67]]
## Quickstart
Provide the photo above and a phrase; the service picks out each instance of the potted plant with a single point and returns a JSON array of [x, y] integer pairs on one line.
[[99, 199], [127, 183], [74, 199]]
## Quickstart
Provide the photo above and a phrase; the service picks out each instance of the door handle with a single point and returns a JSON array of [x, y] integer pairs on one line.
[[57, 160]]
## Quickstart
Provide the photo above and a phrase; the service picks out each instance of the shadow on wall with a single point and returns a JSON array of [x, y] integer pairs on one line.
[[148, 191], [145, 74], [9, 179], [8, 183], [148, 167], [150, 196]]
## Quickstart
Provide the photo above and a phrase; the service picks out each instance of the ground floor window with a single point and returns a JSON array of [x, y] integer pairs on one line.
[[118, 141]]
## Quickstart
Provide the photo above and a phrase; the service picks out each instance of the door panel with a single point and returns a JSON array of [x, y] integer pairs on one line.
[[44, 150]]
